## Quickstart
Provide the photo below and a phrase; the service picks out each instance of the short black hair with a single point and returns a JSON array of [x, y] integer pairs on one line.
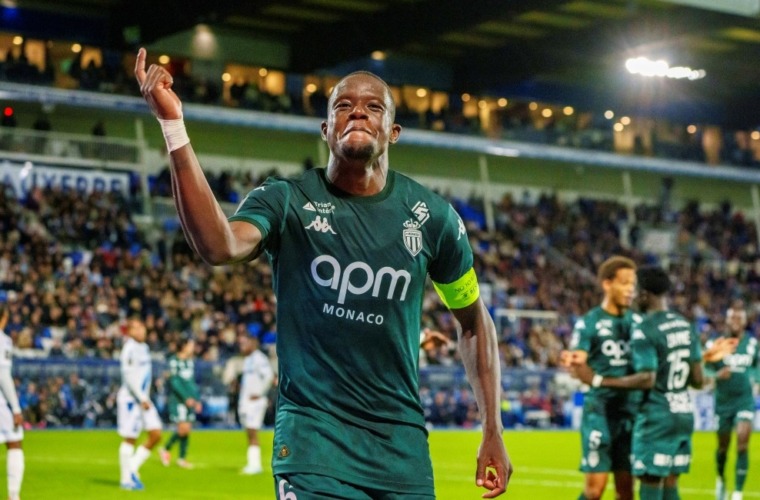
[[388, 90], [653, 279]]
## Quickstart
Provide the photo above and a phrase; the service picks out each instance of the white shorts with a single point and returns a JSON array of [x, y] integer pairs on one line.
[[9, 433], [252, 412], [131, 418]]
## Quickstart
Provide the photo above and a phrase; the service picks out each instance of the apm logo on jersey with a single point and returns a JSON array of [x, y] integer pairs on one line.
[[616, 352], [357, 279]]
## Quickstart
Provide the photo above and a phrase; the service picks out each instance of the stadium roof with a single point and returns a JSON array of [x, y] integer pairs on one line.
[[563, 51]]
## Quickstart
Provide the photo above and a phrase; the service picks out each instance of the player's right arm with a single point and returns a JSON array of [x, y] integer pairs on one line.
[[216, 240], [9, 391], [714, 353], [719, 349]]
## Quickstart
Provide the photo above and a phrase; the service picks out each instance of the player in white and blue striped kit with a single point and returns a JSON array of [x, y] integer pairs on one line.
[[135, 409]]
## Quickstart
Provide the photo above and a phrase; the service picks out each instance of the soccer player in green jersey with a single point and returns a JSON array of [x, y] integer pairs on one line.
[[600, 340], [734, 400], [667, 359], [184, 400], [351, 246]]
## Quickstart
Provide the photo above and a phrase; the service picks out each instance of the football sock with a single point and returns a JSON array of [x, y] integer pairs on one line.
[[650, 492], [583, 497], [670, 494], [15, 468], [125, 454], [742, 464], [254, 457], [173, 439], [720, 460], [141, 455], [183, 446]]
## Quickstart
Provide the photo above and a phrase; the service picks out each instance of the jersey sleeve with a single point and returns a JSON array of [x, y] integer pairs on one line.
[[453, 256], [582, 335], [265, 207], [643, 351], [712, 367]]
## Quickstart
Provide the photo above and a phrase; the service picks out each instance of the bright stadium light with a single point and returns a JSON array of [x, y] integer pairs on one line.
[[750, 8], [646, 67]]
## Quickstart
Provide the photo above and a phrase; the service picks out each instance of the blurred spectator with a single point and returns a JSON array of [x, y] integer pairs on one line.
[[99, 129]]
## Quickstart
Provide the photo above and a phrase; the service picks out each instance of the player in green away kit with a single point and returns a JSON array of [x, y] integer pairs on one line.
[[351, 246], [667, 359], [734, 399], [184, 401], [600, 340]]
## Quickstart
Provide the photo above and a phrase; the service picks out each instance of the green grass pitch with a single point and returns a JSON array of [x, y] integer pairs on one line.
[[84, 465]]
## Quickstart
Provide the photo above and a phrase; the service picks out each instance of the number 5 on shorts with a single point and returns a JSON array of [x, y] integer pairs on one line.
[[285, 496]]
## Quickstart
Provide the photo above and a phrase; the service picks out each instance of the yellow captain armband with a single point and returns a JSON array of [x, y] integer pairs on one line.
[[460, 293]]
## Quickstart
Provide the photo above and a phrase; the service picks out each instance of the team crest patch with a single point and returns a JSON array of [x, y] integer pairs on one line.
[[412, 237], [284, 452]]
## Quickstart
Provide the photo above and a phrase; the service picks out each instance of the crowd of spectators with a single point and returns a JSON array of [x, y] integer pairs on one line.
[[73, 266]]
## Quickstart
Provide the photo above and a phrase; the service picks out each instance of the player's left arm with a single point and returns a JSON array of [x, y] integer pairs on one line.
[[267, 373], [454, 278], [479, 350], [696, 372]]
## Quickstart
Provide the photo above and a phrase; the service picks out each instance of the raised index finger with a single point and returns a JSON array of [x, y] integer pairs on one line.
[[140, 66]]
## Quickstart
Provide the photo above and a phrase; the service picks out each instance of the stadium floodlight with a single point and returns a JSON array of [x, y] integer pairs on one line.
[[660, 68], [749, 8]]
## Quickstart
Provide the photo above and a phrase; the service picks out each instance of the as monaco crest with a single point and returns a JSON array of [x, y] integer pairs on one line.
[[412, 237]]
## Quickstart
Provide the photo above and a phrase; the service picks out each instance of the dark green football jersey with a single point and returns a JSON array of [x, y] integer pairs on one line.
[[744, 364], [349, 275], [182, 379], [666, 343], [606, 339]]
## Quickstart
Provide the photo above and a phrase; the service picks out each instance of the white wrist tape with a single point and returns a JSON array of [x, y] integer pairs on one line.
[[596, 381], [174, 133]]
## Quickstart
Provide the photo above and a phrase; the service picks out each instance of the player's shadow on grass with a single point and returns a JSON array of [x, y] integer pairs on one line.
[[104, 482]]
